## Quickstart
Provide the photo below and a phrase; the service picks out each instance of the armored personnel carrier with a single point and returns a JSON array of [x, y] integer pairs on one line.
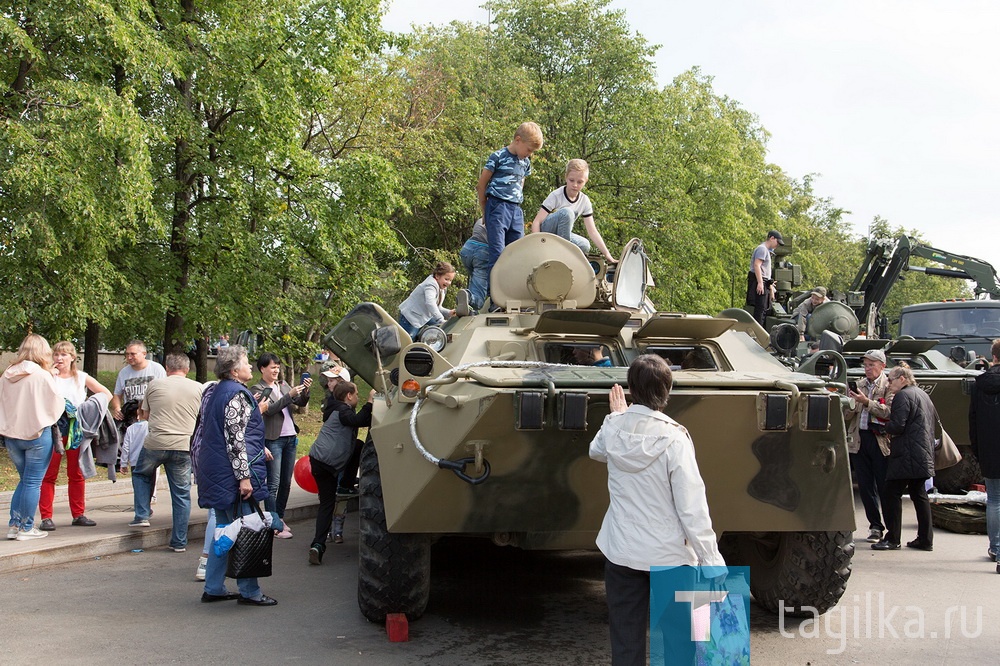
[[483, 426]]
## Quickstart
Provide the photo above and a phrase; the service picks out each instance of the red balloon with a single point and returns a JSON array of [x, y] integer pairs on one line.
[[304, 476]]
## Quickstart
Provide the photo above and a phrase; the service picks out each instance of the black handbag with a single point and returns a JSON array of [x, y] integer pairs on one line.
[[250, 556]]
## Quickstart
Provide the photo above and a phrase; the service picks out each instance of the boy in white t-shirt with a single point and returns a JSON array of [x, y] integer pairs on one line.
[[563, 206]]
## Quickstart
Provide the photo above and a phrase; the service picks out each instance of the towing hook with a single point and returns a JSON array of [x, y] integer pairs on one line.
[[458, 467]]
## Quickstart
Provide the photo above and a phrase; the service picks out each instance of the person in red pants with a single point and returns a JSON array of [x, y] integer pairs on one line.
[[73, 384]]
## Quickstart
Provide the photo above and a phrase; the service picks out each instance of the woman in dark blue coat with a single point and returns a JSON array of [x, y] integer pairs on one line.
[[231, 466], [911, 460]]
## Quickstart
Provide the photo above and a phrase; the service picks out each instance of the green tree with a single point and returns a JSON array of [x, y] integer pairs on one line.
[[75, 168]]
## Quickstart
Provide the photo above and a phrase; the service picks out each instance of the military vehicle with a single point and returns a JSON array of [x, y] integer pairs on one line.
[[483, 428], [963, 330], [948, 384], [972, 323]]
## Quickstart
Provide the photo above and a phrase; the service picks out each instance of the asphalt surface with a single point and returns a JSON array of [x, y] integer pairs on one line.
[[489, 605]]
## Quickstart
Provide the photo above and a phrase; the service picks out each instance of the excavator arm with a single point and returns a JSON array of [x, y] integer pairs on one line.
[[886, 260]]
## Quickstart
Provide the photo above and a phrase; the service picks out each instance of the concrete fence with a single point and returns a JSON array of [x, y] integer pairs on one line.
[[106, 361]]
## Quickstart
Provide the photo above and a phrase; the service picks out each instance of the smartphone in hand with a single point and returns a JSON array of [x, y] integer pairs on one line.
[[853, 385], [265, 394]]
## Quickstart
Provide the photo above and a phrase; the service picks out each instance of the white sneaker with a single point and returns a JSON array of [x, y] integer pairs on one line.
[[12, 532], [199, 573], [33, 533]]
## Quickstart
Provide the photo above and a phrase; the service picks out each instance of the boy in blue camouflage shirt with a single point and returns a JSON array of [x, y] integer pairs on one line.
[[501, 192]]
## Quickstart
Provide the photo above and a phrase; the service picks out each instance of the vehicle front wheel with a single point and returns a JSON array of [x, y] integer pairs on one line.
[[393, 569], [797, 573]]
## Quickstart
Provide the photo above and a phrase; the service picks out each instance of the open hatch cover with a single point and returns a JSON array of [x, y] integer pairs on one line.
[[684, 326], [582, 322]]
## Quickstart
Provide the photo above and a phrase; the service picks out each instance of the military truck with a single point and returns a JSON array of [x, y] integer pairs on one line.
[[483, 426]]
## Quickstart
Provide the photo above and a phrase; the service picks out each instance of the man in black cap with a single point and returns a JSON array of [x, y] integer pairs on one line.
[[760, 286]]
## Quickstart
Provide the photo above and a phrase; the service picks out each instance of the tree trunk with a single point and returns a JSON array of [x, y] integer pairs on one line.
[[201, 360], [91, 347], [175, 339]]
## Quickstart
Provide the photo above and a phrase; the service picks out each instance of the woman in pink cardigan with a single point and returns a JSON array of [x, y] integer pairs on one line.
[[30, 404]]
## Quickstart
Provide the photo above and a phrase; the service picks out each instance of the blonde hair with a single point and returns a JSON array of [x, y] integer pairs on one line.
[[531, 134], [66, 347], [577, 165], [35, 348]]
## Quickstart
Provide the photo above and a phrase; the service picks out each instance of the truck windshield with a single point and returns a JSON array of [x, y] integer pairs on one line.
[[951, 323]]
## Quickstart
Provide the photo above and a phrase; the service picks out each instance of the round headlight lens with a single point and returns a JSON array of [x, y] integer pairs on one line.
[[434, 337]]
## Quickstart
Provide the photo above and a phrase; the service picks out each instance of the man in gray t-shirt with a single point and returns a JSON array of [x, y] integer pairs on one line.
[[133, 379], [760, 286]]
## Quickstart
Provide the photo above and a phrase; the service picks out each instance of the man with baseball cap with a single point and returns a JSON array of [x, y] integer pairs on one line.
[[867, 440], [817, 297], [335, 374], [760, 286]]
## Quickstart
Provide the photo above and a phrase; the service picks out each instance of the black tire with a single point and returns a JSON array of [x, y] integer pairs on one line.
[[394, 570], [955, 480], [799, 571]]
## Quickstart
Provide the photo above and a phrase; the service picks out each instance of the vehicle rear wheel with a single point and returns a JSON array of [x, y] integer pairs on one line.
[[393, 569], [794, 571], [956, 479]]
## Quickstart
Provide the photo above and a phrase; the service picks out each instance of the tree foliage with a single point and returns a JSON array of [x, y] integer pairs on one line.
[[174, 169]]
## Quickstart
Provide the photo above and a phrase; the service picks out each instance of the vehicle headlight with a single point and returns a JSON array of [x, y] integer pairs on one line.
[[434, 337]]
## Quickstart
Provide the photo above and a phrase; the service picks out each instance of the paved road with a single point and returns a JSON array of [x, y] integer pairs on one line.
[[489, 606]]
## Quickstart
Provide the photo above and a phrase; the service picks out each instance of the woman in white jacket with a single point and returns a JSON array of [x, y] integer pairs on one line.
[[658, 516], [423, 305]]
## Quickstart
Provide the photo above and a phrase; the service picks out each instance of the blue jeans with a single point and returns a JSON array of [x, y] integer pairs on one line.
[[31, 459], [504, 225], [560, 223], [993, 514], [279, 470], [215, 570], [476, 259], [177, 465], [410, 329]]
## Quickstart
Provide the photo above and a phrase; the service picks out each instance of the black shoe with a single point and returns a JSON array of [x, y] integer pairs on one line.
[[347, 492], [83, 521], [207, 598], [48, 526], [919, 545], [316, 553], [885, 545], [263, 601]]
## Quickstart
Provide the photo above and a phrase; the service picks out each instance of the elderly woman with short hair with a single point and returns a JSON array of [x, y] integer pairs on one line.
[[658, 514], [231, 465], [911, 460]]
